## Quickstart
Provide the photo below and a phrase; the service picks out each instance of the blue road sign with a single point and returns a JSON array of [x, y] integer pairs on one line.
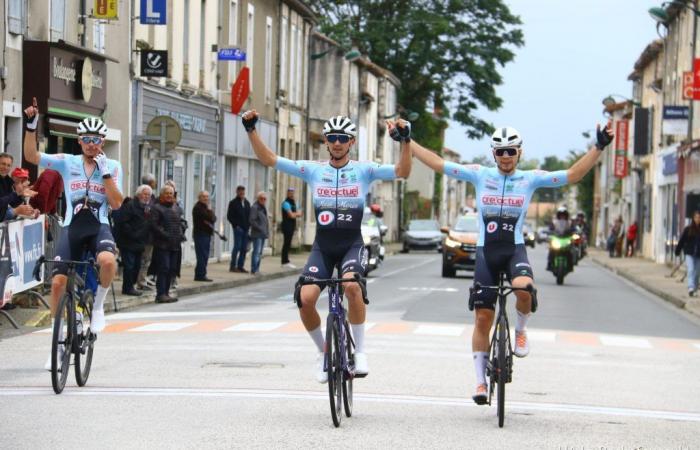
[[231, 54], [153, 12]]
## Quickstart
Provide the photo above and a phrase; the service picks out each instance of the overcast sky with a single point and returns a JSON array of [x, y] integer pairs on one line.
[[576, 52]]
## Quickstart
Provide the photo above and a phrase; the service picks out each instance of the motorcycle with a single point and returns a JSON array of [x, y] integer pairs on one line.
[[561, 257]]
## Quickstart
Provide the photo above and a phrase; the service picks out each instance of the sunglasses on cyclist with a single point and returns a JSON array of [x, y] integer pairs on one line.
[[342, 138], [90, 139], [510, 151]]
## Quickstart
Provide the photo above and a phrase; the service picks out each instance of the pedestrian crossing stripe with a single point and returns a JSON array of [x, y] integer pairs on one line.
[[418, 329]]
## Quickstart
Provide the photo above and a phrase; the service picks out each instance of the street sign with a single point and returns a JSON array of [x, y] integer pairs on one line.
[[231, 54], [621, 139], [688, 86], [240, 91], [105, 9], [675, 120], [154, 63], [153, 12], [163, 133]]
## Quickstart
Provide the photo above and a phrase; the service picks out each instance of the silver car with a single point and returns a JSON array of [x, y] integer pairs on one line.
[[422, 234]]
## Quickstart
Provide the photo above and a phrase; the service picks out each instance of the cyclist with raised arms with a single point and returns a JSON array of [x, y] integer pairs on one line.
[[339, 187], [92, 184], [503, 194]]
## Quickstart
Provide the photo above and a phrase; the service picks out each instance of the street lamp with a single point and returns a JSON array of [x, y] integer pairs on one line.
[[610, 101], [660, 14]]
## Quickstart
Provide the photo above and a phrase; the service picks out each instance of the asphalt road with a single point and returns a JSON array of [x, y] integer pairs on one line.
[[610, 367]]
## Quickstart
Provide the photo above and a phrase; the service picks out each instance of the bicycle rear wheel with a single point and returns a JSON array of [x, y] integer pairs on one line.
[[502, 368], [61, 343], [347, 378], [86, 339], [334, 370]]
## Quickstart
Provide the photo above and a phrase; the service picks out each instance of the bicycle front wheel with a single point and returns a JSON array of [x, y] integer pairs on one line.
[[347, 378], [86, 339], [61, 343], [502, 369], [335, 370]]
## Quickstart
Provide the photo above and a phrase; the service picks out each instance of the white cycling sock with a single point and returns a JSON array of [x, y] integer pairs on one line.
[[480, 359], [100, 296], [358, 335], [522, 321], [319, 340]]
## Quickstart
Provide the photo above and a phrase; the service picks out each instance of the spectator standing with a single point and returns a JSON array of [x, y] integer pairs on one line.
[[203, 220], [6, 183], [133, 235], [289, 223], [631, 239], [49, 187], [183, 226], [689, 244], [619, 243], [259, 230], [238, 215], [167, 234], [143, 282], [615, 231]]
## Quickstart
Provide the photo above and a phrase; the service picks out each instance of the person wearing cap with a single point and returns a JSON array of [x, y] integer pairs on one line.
[[13, 205], [92, 186], [289, 223]]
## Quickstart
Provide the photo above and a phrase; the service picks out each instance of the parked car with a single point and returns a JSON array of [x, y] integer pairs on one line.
[[543, 234], [528, 236], [422, 234], [459, 247], [372, 233]]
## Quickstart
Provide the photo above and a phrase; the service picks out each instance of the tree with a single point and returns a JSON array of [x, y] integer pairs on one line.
[[484, 160], [447, 52]]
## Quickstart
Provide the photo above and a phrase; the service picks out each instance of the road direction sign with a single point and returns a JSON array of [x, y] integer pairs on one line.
[[163, 133]]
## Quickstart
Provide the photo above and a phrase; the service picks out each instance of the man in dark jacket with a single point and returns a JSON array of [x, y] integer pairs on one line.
[[259, 231], [6, 161], [167, 237], [203, 220], [239, 216], [689, 244], [289, 223], [133, 236]]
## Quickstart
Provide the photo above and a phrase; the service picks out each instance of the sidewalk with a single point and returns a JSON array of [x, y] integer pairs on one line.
[[650, 276]]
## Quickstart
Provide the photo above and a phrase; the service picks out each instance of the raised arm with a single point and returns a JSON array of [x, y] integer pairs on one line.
[[400, 131], [428, 157], [262, 151], [581, 167], [31, 153]]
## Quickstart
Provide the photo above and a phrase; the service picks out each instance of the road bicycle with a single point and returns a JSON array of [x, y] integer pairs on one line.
[[499, 367], [71, 327], [339, 361]]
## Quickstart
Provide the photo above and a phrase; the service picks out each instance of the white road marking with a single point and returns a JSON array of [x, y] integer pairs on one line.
[[256, 326], [166, 314], [369, 325], [682, 416], [624, 341], [428, 289], [163, 326], [439, 330], [697, 346]]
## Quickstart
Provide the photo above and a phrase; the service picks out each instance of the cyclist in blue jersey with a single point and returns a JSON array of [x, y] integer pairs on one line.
[[502, 195], [92, 184], [339, 187]]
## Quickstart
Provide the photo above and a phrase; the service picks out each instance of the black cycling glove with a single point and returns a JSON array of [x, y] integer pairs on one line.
[[32, 123], [603, 138], [401, 134], [249, 124]]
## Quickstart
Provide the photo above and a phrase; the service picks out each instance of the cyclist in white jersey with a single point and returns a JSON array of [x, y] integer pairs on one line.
[[339, 187], [92, 184], [503, 194]]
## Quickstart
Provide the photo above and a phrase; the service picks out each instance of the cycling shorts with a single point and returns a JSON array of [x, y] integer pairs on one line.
[[347, 249], [508, 258], [83, 234]]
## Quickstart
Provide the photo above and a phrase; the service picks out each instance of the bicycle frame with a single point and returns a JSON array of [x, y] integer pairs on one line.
[[337, 311]]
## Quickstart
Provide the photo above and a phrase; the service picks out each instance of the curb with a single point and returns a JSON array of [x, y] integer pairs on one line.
[[644, 285]]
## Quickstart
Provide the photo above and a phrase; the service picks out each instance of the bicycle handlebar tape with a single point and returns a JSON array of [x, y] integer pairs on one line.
[[471, 297], [37, 268], [533, 304], [297, 291]]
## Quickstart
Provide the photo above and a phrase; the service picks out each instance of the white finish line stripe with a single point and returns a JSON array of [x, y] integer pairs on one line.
[[624, 341], [256, 326], [373, 398], [164, 326], [439, 330]]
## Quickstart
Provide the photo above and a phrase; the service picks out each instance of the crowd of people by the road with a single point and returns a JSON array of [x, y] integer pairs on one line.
[[622, 242]]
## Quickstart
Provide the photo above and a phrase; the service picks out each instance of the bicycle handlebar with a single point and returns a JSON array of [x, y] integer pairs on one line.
[[42, 260], [506, 290], [303, 281]]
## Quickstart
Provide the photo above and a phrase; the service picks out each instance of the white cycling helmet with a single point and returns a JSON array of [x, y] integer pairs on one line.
[[506, 137], [92, 125], [340, 125]]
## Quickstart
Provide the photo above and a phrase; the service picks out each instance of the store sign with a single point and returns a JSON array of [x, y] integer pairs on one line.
[[153, 12], [231, 54], [675, 120], [670, 164], [621, 140], [688, 86], [696, 79], [105, 9], [188, 122], [240, 90], [154, 63], [77, 81]]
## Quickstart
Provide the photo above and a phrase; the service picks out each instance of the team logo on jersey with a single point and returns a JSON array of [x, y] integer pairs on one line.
[[555, 180], [345, 191], [325, 218], [491, 227], [313, 269], [508, 200]]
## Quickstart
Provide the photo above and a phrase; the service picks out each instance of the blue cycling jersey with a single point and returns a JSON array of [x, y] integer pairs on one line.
[[80, 190], [338, 194], [502, 200]]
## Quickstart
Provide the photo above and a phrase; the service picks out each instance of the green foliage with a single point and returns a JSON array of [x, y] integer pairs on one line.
[[529, 164], [446, 53], [485, 160], [552, 163]]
